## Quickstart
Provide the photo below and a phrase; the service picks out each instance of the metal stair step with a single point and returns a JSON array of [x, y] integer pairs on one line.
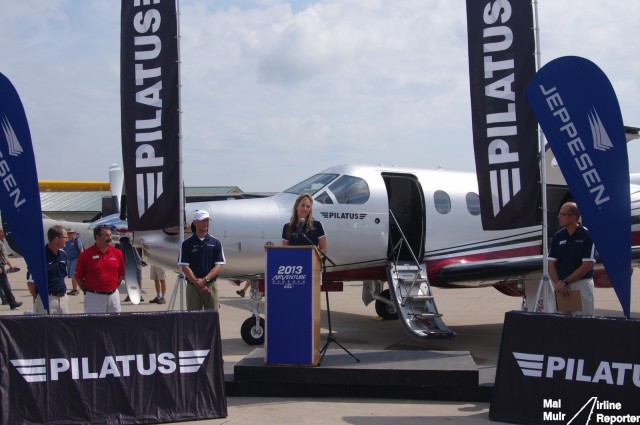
[[411, 281], [427, 315], [438, 334], [420, 297], [407, 268]]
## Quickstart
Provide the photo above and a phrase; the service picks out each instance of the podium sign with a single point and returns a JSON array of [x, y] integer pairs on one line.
[[292, 296]]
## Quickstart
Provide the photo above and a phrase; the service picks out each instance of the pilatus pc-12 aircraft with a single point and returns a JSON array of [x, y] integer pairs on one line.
[[409, 228], [398, 230]]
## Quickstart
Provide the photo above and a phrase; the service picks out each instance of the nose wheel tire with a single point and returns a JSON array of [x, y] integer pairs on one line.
[[253, 333], [383, 309]]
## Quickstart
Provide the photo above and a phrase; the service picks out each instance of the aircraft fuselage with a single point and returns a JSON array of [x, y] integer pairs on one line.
[[437, 211]]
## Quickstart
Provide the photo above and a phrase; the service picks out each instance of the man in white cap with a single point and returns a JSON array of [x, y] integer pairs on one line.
[[203, 257]]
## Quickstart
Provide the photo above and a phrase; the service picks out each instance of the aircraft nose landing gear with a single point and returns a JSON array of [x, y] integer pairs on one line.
[[253, 329]]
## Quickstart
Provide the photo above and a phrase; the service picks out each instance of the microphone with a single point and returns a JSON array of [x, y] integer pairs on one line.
[[300, 226]]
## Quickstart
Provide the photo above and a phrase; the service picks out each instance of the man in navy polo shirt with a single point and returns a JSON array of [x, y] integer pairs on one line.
[[202, 258], [571, 258], [56, 274]]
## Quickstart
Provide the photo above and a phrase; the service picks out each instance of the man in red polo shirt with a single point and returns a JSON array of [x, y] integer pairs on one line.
[[99, 271]]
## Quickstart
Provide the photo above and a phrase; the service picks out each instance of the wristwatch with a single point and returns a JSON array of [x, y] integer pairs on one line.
[[207, 280]]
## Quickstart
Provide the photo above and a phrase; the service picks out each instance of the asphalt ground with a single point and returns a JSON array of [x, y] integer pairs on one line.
[[476, 315]]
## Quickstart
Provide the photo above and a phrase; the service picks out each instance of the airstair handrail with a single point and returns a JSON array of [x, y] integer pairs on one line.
[[403, 238]]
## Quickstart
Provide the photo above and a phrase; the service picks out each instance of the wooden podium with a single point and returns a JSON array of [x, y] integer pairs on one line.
[[292, 297]]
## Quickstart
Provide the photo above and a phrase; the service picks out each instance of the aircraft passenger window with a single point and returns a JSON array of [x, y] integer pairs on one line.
[[473, 203], [442, 201], [324, 198], [350, 190], [312, 184]]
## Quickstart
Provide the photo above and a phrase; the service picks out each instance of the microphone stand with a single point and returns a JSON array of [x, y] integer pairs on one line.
[[330, 337]]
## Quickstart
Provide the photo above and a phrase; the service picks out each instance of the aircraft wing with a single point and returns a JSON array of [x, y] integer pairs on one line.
[[72, 186], [494, 271], [490, 271]]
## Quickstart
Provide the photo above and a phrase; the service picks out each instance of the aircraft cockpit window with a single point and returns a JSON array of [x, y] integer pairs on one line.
[[473, 203], [442, 201], [350, 190], [324, 198], [312, 184]]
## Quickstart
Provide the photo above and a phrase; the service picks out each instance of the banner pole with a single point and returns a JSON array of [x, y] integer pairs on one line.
[[180, 159], [543, 171]]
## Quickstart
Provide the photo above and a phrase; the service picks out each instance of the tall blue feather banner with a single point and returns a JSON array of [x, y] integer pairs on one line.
[[19, 192], [579, 113]]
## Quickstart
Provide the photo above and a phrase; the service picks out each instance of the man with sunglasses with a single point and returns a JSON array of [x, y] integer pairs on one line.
[[99, 271], [571, 258], [56, 274]]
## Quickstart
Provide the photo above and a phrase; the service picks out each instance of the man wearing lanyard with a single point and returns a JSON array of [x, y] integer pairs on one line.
[[99, 271], [56, 274]]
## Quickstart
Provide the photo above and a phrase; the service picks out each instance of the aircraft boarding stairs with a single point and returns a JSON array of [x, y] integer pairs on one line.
[[411, 293]]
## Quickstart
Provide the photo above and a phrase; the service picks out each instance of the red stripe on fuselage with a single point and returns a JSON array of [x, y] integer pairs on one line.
[[433, 266]]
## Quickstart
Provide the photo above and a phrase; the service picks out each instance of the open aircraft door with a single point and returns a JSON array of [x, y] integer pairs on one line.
[[409, 287], [406, 204]]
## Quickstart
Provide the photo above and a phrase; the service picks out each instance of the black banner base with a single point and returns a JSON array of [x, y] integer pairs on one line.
[[559, 369], [131, 368]]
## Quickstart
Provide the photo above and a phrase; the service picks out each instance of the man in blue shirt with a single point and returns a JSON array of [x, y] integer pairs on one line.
[[571, 258], [73, 248], [202, 258], [56, 274]]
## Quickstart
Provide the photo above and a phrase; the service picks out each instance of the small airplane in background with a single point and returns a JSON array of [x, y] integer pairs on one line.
[[84, 229], [411, 228]]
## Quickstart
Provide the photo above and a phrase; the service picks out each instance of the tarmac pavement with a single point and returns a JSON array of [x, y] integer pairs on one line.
[[476, 315]]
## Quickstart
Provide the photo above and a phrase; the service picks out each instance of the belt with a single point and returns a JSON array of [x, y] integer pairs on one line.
[[100, 292], [57, 294]]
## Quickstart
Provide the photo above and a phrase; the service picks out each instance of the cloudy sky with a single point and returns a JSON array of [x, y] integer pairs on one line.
[[274, 91]]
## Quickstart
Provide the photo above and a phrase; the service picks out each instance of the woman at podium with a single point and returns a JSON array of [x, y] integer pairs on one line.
[[302, 229]]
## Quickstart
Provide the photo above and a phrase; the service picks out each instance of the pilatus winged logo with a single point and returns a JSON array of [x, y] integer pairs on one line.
[[32, 370], [190, 361], [43, 369], [601, 140], [13, 143], [530, 364], [344, 215]]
